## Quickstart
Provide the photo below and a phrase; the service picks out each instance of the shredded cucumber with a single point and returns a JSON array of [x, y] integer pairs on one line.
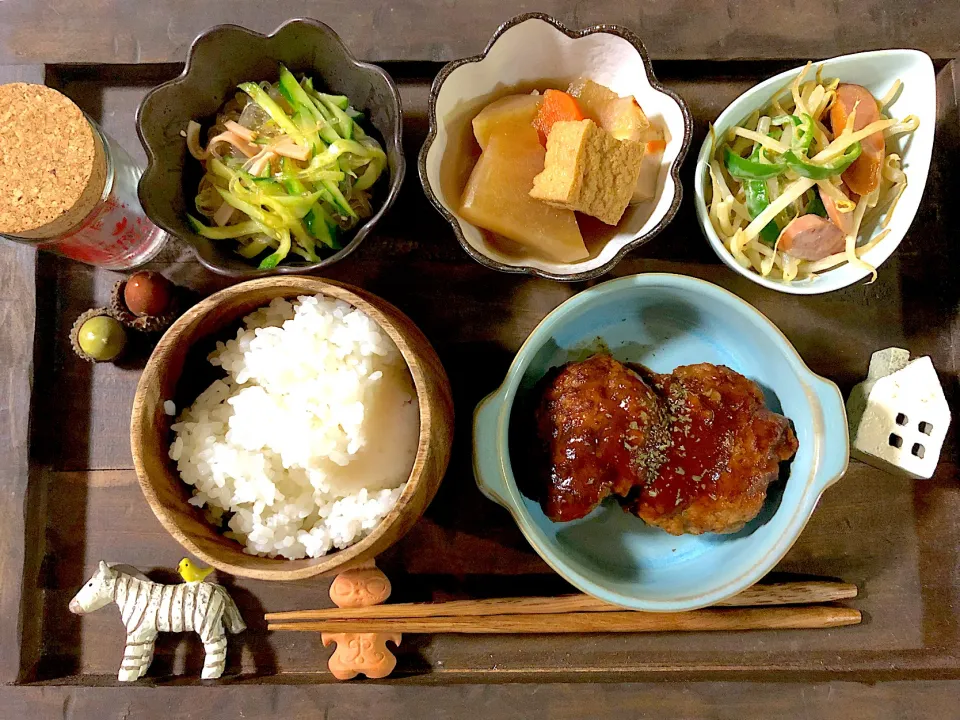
[[369, 176], [343, 123], [260, 97], [223, 233], [341, 101], [294, 199], [253, 247], [294, 94], [306, 106], [272, 260], [322, 227]]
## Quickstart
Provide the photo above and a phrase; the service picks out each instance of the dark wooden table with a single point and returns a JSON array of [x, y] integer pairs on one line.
[[69, 498]]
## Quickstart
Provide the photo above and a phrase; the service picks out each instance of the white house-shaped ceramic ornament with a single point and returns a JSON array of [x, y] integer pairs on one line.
[[898, 416]]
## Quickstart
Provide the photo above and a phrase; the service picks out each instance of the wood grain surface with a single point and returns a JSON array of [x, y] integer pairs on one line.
[[120, 31], [863, 530], [17, 323], [834, 700], [16, 366], [896, 539]]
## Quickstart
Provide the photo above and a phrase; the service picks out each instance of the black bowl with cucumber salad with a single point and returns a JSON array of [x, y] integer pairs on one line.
[[290, 169]]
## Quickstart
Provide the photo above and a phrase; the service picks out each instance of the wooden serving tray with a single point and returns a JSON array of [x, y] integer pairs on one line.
[[68, 495]]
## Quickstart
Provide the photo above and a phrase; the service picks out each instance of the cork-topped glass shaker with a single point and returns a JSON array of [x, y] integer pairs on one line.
[[65, 186]]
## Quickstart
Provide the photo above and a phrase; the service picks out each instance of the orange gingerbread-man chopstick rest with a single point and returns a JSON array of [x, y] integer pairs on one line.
[[360, 653]]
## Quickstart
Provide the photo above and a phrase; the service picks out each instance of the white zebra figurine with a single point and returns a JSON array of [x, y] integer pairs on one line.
[[148, 608]]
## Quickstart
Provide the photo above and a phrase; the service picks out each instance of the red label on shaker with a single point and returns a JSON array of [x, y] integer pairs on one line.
[[117, 234]]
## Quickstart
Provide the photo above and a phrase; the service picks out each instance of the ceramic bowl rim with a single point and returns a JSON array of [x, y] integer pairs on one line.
[[700, 184], [778, 547], [610, 29], [392, 139]]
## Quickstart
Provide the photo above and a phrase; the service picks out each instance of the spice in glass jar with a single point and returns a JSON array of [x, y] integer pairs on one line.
[[67, 187]]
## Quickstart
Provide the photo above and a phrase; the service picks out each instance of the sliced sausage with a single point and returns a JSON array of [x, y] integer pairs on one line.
[[863, 176], [843, 220], [810, 237]]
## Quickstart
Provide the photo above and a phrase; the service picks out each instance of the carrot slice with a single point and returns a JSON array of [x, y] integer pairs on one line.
[[556, 106], [656, 146]]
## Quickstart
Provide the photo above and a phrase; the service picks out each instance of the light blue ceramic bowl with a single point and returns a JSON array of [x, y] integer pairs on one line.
[[664, 321]]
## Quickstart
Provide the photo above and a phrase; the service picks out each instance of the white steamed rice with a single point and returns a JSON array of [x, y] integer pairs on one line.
[[307, 443]]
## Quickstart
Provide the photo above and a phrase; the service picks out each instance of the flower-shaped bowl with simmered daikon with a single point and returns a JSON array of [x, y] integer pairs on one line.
[[535, 52]]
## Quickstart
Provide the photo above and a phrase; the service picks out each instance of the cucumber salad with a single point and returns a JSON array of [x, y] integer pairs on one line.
[[288, 170]]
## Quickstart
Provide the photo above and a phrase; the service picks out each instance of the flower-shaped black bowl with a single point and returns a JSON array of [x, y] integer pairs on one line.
[[218, 60]]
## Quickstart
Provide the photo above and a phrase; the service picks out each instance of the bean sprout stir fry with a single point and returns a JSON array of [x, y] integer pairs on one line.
[[807, 182]]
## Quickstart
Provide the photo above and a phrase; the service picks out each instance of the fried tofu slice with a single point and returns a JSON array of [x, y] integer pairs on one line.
[[586, 169]]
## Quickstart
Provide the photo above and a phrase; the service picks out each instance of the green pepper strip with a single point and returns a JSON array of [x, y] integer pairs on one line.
[[803, 135], [784, 119], [757, 200], [813, 171], [749, 169]]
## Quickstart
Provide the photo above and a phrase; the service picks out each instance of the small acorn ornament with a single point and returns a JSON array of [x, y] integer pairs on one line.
[[145, 301], [97, 336]]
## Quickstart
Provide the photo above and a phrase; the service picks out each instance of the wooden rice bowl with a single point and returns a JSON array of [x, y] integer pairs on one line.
[[150, 434]]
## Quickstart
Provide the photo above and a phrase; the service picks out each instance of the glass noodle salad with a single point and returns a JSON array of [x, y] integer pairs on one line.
[[287, 170], [806, 183]]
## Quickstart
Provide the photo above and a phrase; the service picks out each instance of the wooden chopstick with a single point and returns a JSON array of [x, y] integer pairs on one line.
[[765, 618], [788, 593]]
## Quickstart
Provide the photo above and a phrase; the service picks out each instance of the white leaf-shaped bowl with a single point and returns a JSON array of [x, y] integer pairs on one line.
[[535, 49], [876, 71]]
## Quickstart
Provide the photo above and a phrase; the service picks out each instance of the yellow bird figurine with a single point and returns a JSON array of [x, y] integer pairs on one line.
[[191, 573]]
